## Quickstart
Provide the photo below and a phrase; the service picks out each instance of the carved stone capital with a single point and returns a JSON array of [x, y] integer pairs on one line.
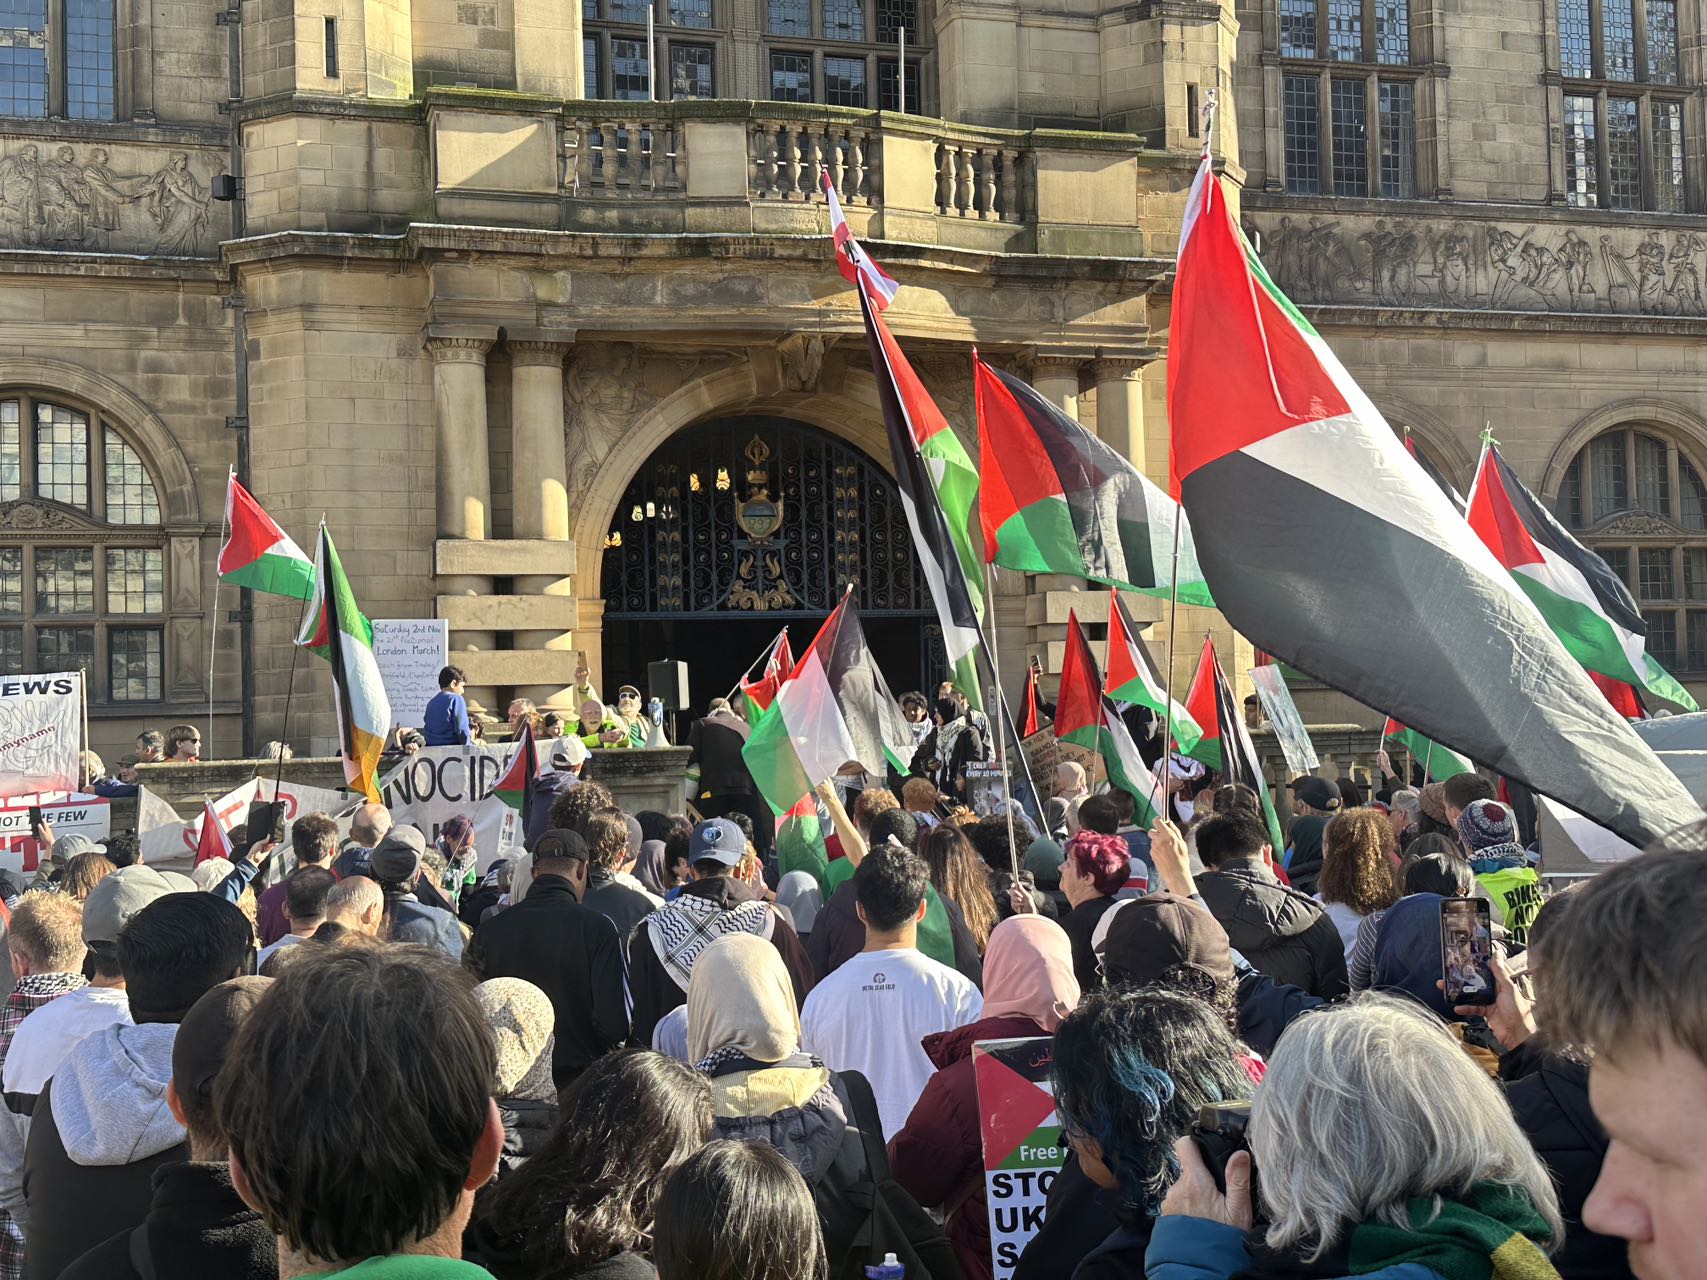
[[1115, 368], [1056, 366], [541, 352], [458, 344]]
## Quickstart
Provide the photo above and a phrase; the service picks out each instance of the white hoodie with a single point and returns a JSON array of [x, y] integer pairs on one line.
[[109, 1096]]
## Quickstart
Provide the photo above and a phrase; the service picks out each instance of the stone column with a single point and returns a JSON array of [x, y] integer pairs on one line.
[[463, 482], [1056, 379], [540, 486], [1120, 407]]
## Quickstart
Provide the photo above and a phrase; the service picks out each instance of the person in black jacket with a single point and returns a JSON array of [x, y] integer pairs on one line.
[[1279, 930], [197, 1224], [567, 950], [1314, 801], [725, 783], [607, 848]]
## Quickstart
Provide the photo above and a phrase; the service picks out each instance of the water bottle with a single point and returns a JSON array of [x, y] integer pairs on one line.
[[889, 1269]]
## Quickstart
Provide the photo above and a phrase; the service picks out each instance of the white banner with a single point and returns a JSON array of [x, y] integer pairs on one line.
[[67, 814], [170, 841], [410, 652], [41, 733], [434, 785]]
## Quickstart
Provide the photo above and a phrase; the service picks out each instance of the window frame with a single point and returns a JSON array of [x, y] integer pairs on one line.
[[55, 43]]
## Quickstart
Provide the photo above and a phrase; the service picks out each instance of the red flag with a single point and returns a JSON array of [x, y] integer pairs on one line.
[[1623, 697], [1078, 706], [851, 260], [213, 842], [1030, 727]]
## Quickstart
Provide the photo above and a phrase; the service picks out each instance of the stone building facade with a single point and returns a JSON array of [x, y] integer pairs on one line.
[[475, 286]]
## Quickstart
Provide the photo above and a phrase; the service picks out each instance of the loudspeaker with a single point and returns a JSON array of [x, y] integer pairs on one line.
[[668, 681]]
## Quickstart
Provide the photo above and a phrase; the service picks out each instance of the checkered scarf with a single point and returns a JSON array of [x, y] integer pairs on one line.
[[681, 929], [32, 993]]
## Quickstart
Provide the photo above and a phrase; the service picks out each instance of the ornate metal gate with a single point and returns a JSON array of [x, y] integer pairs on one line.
[[760, 515]]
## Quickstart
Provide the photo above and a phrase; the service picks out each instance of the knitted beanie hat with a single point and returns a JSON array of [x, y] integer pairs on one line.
[[1484, 824], [521, 1019]]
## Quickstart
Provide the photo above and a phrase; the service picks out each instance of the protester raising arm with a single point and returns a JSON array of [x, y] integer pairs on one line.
[[231, 888], [853, 843]]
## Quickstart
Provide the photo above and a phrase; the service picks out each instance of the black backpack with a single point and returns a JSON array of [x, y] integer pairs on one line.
[[875, 1215]]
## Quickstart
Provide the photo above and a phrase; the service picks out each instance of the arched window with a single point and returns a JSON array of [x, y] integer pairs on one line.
[[82, 550], [1638, 499]]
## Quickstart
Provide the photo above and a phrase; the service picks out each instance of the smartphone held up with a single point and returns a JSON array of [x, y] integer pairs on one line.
[[1466, 951]]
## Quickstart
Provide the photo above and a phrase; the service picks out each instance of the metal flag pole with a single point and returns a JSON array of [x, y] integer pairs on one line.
[[213, 618], [901, 68], [651, 57], [1001, 706]]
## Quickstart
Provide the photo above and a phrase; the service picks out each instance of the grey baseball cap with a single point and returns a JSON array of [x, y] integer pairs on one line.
[[119, 896]]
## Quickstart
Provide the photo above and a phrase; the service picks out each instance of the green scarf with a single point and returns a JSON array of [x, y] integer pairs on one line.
[[1490, 1235]]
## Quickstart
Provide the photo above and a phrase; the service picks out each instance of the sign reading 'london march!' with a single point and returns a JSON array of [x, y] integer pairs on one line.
[[410, 653]]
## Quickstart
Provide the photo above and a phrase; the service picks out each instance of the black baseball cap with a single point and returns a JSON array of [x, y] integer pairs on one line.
[[1318, 793], [560, 843]]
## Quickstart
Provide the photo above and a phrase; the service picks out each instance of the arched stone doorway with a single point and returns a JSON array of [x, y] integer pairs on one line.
[[743, 524]]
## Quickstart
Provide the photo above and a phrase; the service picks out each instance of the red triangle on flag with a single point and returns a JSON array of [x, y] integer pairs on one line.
[[1010, 1107], [213, 842], [1079, 704], [1200, 702]]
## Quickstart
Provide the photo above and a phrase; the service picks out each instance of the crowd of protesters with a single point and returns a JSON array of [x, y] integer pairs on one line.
[[642, 1047]]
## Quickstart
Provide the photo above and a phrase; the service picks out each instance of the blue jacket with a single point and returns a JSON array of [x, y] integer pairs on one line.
[[1198, 1249], [446, 721]]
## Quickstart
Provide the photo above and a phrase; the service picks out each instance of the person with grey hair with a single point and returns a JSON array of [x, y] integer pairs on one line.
[[358, 904], [1393, 1155], [1404, 807]]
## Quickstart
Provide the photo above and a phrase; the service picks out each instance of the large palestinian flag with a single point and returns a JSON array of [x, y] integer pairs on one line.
[[1133, 680], [1438, 763], [337, 631], [257, 553], [1084, 717], [1326, 544], [1587, 605], [1226, 745], [1055, 499], [758, 694]]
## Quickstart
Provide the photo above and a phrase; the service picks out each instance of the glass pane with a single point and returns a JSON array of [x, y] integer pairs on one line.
[[887, 98], [628, 68], [629, 10], [691, 13], [11, 453], [590, 66], [1692, 510], [1656, 576], [1571, 495], [65, 580], [1582, 183], [130, 491], [89, 59], [11, 651], [62, 455], [1575, 46], [897, 15], [1697, 640], [791, 18], [134, 662], [1662, 637], [690, 71], [65, 649], [1392, 31], [1662, 41], [844, 82], [1303, 135], [791, 77], [1298, 28], [590, 10], [845, 20], [1398, 141], [136, 580], [1351, 138], [1653, 493], [23, 59], [1611, 493], [1618, 39], [1623, 154], [12, 581], [1667, 121], [1695, 573], [1618, 560], [1345, 30]]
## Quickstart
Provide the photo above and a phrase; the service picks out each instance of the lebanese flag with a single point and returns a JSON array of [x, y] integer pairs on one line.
[[1439, 763], [515, 788], [257, 553], [1585, 603], [857, 269], [1296, 486], [213, 842], [761, 692], [1052, 498], [1134, 681], [1084, 717]]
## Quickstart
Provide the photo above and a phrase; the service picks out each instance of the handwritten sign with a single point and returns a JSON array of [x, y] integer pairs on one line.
[[410, 653]]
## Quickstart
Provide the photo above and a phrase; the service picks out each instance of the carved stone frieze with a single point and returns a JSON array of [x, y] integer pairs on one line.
[[79, 198]]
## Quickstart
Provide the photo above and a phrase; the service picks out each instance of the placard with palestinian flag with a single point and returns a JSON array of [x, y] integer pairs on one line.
[[1023, 1141]]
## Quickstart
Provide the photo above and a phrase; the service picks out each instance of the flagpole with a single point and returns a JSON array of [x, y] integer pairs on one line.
[[213, 624], [768, 651], [1428, 762], [1001, 736]]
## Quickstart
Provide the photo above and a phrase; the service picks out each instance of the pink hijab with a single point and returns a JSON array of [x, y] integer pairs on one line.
[[1028, 972]]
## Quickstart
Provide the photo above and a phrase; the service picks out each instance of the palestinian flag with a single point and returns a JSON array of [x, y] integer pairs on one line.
[[515, 788], [1438, 762], [834, 707], [212, 842], [760, 693], [1084, 717], [1055, 499], [800, 840], [938, 484], [1134, 681], [336, 630], [1296, 486], [257, 553], [1433, 472], [1585, 603], [1226, 745], [858, 270]]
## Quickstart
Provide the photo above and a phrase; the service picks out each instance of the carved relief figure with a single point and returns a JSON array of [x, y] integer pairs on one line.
[[20, 205], [1505, 260], [600, 390], [1685, 286], [178, 205], [1455, 268], [1576, 257], [1542, 271]]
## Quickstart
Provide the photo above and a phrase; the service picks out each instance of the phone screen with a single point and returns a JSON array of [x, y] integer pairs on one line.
[[35, 820], [1466, 948]]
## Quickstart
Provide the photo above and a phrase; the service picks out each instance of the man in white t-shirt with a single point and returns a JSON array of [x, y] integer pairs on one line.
[[870, 1014]]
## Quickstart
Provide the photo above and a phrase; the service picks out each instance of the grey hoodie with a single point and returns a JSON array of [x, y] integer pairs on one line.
[[109, 1095]]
